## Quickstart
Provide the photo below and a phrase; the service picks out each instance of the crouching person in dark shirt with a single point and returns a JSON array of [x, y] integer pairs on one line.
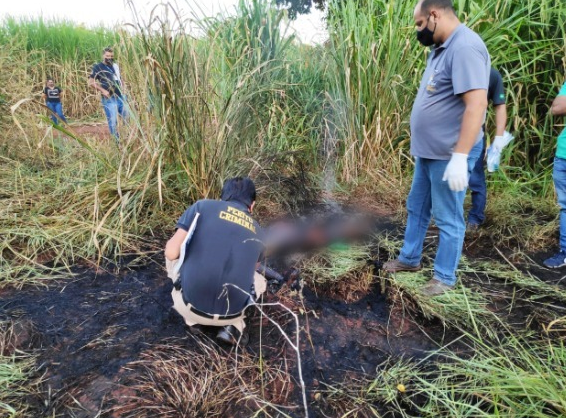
[[212, 260]]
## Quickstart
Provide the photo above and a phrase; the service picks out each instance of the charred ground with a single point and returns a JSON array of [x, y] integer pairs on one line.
[[95, 332]]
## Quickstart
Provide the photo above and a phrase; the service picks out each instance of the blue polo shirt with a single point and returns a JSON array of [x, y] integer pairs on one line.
[[459, 65], [561, 146]]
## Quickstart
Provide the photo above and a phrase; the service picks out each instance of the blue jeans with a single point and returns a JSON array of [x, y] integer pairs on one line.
[[559, 176], [430, 196], [478, 188], [57, 108], [114, 106]]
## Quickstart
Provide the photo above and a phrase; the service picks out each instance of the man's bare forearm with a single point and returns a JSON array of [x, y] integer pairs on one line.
[[500, 119], [558, 107], [472, 120], [471, 125], [95, 86]]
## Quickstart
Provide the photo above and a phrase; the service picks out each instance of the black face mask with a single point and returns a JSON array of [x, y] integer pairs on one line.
[[109, 61], [426, 35]]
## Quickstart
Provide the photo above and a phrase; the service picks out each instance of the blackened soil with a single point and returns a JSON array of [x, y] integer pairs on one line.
[[86, 329], [351, 339], [89, 327]]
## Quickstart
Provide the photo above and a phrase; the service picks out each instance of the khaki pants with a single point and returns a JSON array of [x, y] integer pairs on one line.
[[191, 318]]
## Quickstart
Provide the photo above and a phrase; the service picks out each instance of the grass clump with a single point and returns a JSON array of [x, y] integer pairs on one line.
[[521, 209], [66, 211], [17, 381], [340, 270], [203, 381], [461, 308], [515, 377], [506, 377]]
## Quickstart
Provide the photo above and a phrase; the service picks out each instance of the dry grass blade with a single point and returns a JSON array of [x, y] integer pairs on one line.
[[511, 275]]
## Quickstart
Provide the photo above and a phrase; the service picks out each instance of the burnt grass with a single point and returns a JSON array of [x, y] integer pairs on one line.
[[85, 331]]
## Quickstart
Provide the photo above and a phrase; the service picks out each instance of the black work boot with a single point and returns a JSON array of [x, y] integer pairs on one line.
[[230, 335]]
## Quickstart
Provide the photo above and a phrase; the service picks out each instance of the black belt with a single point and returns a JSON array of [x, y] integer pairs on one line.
[[208, 316], [201, 313], [177, 286]]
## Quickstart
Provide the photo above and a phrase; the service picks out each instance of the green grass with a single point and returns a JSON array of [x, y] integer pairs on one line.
[[377, 64], [58, 40], [341, 270], [247, 99], [462, 308], [521, 209], [513, 378], [17, 379], [510, 377]]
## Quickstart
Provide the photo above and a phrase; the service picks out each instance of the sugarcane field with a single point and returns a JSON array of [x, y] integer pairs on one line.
[[283, 209]]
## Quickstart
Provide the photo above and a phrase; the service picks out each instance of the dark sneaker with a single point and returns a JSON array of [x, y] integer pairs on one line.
[[230, 335], [556, 261], [435, 287], [394, 266]]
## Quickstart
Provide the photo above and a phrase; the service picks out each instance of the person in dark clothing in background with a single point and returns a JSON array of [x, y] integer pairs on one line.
[[52, 95], [105, 77], [477, 185], [212, 259]]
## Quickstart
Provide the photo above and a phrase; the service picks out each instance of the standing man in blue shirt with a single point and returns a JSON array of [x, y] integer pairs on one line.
[[558, 108], [105, 77], [446, 139], [478, 187]]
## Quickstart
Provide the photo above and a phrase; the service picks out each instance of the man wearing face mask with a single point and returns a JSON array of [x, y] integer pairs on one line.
[[105, 77], [446, 139]]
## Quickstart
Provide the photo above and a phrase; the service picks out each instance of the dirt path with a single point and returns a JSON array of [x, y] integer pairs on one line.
[[97, 130]]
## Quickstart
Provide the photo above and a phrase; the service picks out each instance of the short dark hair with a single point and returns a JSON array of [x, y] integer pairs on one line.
[[108, 49], [426, 5], [240, 189]]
